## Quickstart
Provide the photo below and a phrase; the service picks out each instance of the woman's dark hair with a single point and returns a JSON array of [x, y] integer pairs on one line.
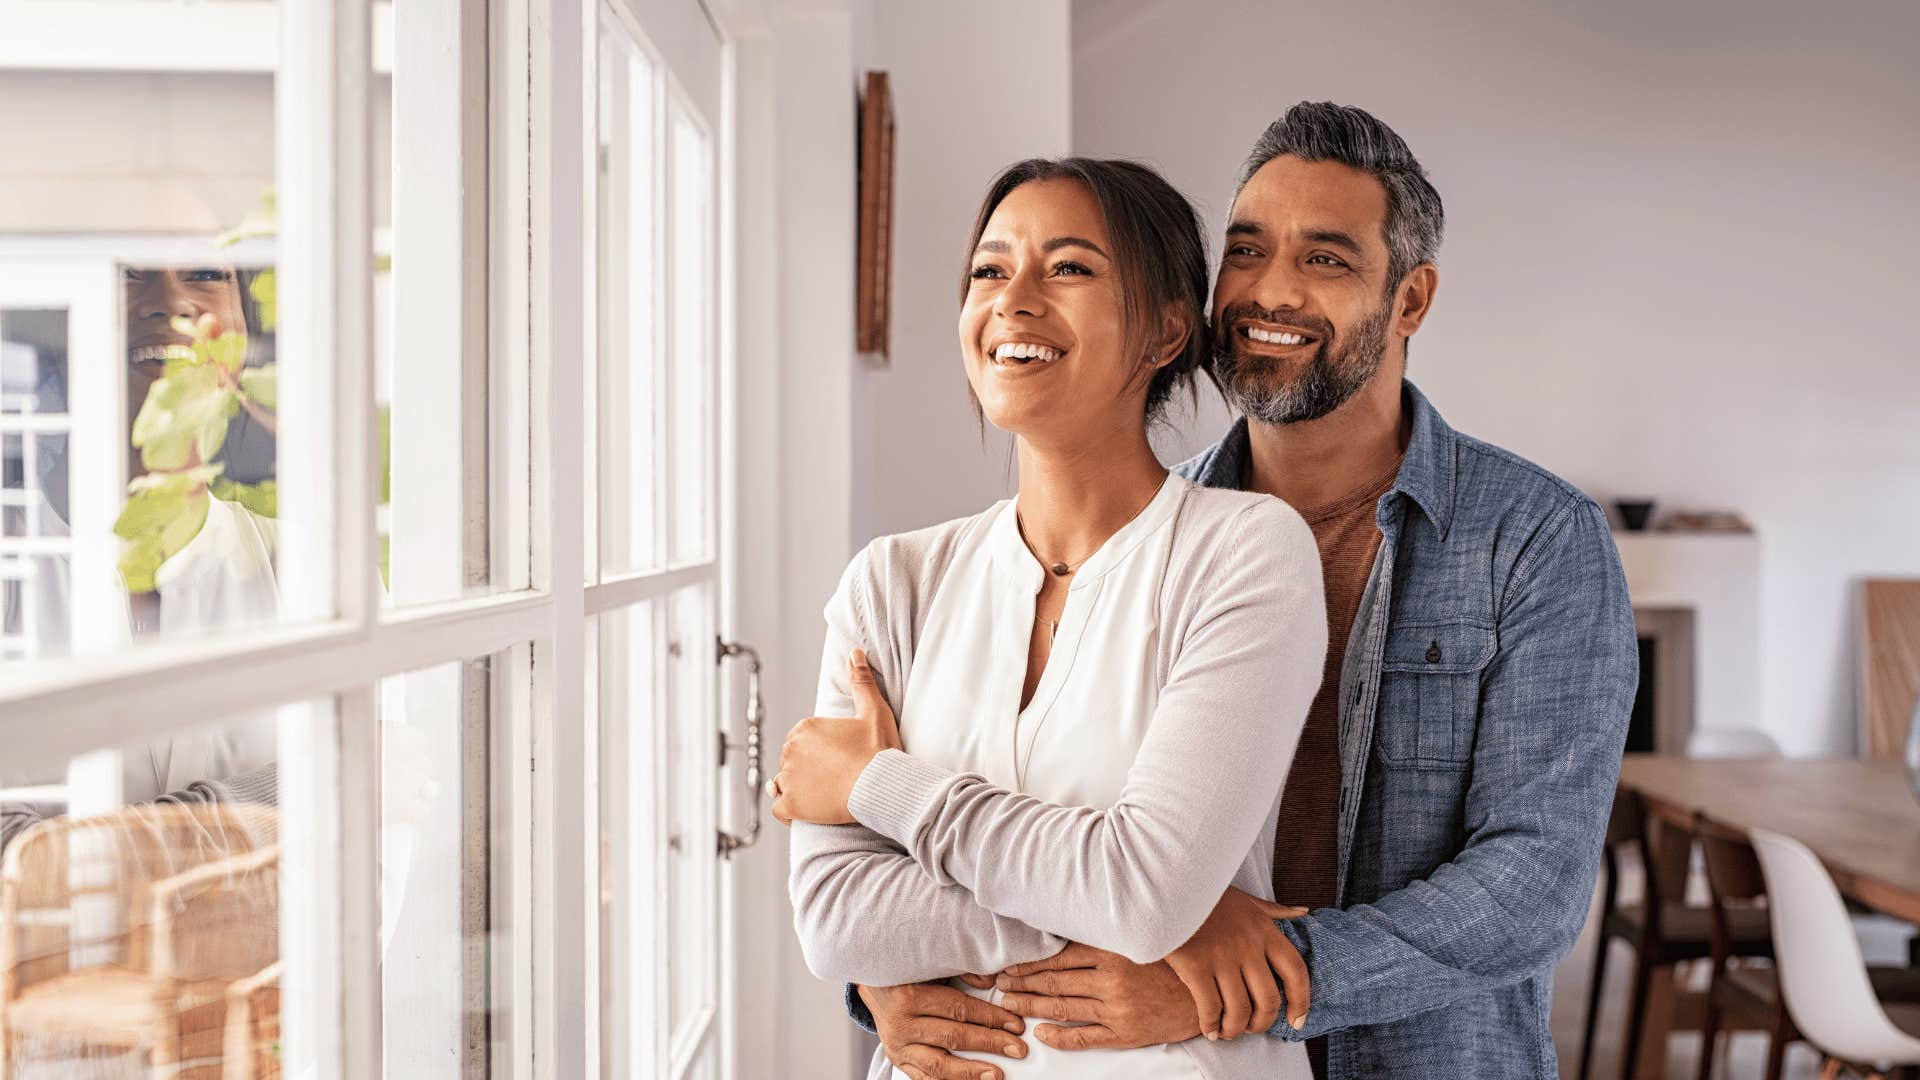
[[1158, 253]]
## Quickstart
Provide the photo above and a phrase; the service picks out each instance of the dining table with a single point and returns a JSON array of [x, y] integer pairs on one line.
[[1859, 816]]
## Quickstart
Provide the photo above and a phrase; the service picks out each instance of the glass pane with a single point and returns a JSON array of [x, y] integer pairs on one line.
[[138, 314], [437, 880], [146, 873], [695, 364], [432, 388], [691, 821], [630, 375], [33, 360], [630, 680], [656, 683]]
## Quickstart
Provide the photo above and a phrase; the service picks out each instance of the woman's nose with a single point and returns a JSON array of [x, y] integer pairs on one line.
[[165, 299], [1022, 296]]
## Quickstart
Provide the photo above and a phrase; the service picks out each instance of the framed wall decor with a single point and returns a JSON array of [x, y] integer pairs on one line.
[[873, 293]]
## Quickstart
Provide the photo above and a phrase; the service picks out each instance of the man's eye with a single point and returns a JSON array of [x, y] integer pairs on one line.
[[1325, 260], [1241, 249], [981, 272]]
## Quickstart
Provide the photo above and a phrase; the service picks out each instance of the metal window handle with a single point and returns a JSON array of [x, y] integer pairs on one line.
[[756, 718]]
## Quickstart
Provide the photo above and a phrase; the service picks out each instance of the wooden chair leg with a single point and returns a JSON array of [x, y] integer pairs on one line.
[[1778, 1036], [1593, 1004], [1636, 1014], [1710, 1029]]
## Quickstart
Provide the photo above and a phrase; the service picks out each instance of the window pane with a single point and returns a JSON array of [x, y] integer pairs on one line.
[[656, 685], [433, 388], [631, 345], [695, 364], [437, 872], [141, 906], [138, 314]]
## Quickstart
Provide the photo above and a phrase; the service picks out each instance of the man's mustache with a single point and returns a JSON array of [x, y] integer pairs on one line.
[[1244, 311]]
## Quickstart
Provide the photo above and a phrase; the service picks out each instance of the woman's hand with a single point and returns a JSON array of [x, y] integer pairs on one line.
[[823, 756], [1230, 964]]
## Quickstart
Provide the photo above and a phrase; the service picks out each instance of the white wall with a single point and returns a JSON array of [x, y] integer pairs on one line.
[[976, 86], [1678, 253]]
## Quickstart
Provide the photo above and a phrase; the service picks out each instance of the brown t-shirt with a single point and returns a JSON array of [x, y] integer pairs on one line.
[[1306, 856]]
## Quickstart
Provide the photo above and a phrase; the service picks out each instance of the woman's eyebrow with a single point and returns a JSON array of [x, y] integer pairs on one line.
[[1059, 242]]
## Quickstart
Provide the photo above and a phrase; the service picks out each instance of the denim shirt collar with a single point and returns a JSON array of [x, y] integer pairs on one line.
[[1426, 473]]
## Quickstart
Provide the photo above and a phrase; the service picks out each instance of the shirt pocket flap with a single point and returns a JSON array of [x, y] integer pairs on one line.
[[1450, 648]]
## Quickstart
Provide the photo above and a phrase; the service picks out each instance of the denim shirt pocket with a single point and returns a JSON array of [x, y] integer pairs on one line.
[[1430, 692]]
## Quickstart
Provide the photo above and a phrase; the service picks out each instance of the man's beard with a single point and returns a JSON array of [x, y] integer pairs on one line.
[[1258, 386]]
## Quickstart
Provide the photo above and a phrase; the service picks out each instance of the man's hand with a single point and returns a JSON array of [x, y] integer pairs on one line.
[[1220, 982], [1122, 1004], [920, 1024], [1230, 962]]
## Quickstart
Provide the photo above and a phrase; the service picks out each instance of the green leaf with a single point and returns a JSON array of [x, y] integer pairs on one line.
[[162, 516], [262, 498], [229, 350], [187, 408], [261, 221], [262, 384], [265, 289]]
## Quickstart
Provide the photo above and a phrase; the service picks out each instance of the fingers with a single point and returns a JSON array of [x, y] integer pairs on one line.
[[1277, 910], [1068, 1010], [963, 1009], [1091, 1037], [951, 1036], [1075, 955], [1235, 1008], [934, 1063], [1074, 982], [1206, 996], [1286, 963], [1266, 997], [978, 982]]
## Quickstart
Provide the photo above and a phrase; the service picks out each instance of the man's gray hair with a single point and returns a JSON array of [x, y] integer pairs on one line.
[[1323, 131]]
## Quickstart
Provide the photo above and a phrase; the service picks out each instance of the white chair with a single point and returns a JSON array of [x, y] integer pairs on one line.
[[1710, 742], [1822, 973]]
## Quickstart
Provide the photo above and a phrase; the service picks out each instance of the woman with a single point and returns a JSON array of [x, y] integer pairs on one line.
[[1099, 683]]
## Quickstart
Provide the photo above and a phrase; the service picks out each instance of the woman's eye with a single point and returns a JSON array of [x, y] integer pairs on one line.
[[981, 272], [207, 275], [129, 275], [1071, 268]]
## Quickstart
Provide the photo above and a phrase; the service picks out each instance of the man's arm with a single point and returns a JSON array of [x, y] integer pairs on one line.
[[1553, 718]]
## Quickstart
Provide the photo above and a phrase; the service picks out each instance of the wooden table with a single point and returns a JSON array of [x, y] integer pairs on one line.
[[1858, 816]]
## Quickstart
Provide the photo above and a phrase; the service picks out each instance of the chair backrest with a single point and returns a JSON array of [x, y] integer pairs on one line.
[[1708, 742], [77, 891], [1890, 664], [1822, 973]]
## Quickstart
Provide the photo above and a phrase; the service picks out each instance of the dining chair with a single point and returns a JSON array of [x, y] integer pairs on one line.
[[1712, 742], [1823, 975], [1662, 931]]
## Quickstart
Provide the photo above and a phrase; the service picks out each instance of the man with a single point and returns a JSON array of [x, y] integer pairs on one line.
[[1444, 814]]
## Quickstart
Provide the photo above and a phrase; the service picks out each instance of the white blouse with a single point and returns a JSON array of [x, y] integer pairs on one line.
[[1141, 779]]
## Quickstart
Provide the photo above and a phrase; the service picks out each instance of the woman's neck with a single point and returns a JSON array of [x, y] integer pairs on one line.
[[1072, 498]]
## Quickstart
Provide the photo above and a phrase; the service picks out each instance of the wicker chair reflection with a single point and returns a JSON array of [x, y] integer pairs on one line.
[[121, 937]]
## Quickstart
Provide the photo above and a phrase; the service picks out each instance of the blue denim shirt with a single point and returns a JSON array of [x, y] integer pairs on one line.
[[1484, 699]]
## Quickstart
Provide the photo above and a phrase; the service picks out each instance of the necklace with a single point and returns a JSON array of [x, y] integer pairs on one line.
[[1059, 569]]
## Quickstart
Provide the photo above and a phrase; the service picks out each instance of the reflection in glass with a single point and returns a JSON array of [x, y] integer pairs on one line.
[[139, 923]]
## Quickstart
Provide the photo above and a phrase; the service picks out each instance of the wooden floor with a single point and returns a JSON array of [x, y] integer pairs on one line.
[[1745, 1054]]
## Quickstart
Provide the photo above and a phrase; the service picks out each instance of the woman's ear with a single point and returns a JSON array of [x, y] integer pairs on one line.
[[1176, 327]]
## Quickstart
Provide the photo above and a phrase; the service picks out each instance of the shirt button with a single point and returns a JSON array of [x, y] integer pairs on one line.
[[1433, 653]]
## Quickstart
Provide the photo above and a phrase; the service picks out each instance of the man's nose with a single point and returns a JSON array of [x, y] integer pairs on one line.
[[1280, 286]]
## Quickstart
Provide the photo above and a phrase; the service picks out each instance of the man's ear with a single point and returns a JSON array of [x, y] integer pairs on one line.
[[1414, 298]]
